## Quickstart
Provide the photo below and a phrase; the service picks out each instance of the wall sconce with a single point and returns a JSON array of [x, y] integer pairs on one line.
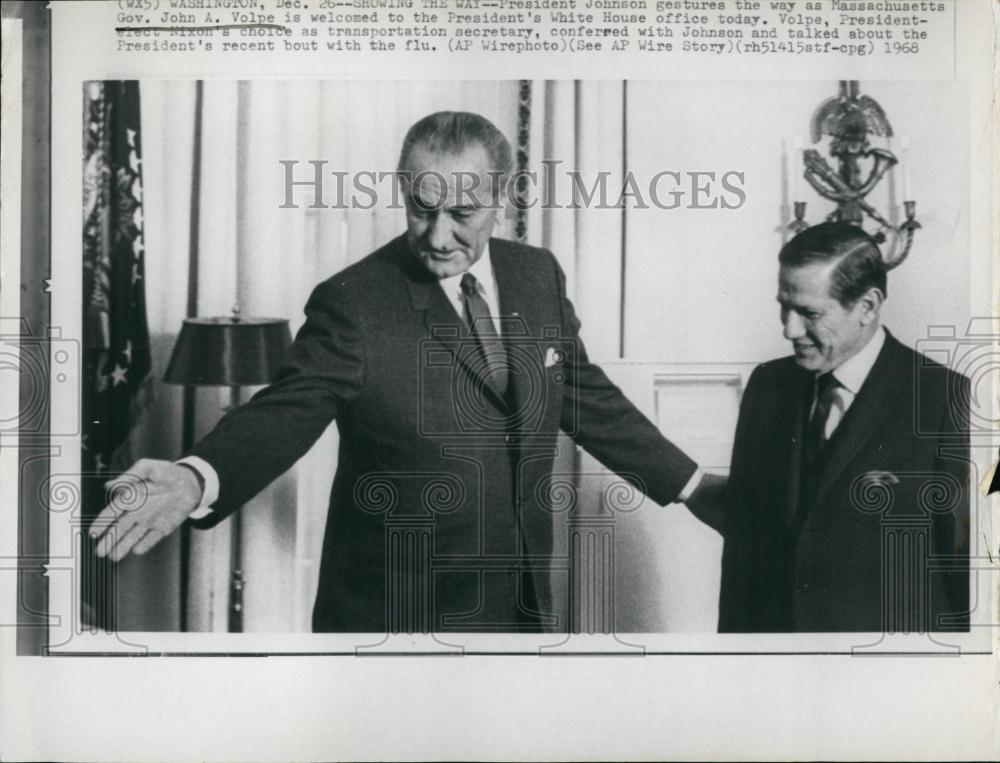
[[849, 118]]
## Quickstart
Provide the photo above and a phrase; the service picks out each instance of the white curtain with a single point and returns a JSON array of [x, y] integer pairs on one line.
[[579, 127]]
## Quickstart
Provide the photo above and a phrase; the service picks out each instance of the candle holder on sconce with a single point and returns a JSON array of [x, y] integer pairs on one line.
[[849, 118]]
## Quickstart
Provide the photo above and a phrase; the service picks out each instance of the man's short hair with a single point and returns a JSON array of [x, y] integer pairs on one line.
[[859, 261], [451, 132]]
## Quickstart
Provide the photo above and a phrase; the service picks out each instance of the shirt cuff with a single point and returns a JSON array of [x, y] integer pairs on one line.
[[691, 486], [211, 493]]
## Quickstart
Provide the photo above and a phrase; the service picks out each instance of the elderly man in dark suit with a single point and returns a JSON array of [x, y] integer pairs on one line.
[[450, 360], [847, 504]]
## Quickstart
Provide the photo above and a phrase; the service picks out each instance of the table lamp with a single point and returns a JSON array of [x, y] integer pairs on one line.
[[229, 352]]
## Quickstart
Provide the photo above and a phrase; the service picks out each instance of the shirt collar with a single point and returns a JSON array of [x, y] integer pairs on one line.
[[482, 269], [852, 372]]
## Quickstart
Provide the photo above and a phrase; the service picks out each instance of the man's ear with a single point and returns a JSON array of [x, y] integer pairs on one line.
[[870, 303], [503, 205], [505, 209], [403, 185]]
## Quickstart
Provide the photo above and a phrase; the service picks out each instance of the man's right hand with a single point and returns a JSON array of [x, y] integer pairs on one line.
[[708, 501], [148, 502]]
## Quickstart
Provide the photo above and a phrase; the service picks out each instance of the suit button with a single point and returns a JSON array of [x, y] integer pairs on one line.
[[510, 438], [803, 588]]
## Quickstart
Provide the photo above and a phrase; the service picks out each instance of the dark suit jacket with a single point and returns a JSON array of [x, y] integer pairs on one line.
[[436, 469], [871, 551]]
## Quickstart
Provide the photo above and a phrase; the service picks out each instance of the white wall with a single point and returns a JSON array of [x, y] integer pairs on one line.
[[700, 284]]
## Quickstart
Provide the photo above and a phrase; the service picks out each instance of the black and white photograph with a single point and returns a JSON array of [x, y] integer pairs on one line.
[[635, 415], [434, 376]]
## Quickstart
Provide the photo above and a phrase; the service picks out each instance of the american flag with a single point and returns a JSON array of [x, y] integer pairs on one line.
[[116, 355]]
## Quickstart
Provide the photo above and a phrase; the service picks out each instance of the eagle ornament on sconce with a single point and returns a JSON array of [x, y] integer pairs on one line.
[[849, 118]]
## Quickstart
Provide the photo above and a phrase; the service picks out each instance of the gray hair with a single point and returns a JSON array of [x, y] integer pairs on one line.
[[452, 132]]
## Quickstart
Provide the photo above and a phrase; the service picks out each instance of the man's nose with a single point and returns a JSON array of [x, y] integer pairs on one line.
[[794, 326], [439, 235]]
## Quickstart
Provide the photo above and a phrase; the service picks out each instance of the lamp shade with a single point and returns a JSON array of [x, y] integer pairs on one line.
[[224, 351]]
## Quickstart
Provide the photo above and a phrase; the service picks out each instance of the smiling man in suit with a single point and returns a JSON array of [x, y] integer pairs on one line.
[[449, 360], [847, 453]]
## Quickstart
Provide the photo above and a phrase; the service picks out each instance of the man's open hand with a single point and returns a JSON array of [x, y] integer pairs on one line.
[[148, 502]]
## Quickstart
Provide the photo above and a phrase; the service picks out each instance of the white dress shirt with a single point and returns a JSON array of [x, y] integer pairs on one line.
[[851, 374], [482, 269], [211, 492]]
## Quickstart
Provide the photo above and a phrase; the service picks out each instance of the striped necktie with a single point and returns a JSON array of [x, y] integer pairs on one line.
[[477, 313]]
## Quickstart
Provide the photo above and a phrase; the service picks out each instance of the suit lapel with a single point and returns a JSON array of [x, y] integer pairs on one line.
[[441, 322], [516, 290], [800, 392], [512, 282], [872, 406]]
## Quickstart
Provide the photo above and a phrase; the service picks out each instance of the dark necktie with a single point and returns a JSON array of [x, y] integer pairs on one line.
[[477, 312], [813, 440], [815, 436]]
